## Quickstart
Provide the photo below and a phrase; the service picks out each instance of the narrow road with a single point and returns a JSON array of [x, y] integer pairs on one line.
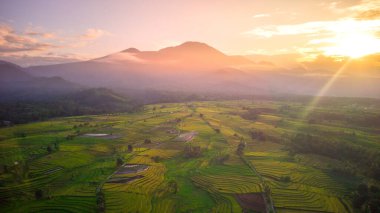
[[268, 196]]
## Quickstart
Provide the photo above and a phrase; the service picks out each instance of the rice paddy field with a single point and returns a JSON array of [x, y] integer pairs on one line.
[[179, 157]]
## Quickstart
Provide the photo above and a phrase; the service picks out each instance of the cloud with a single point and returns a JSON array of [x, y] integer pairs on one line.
[[27, 59], [317, 28], [93, 33], [369, 15], [366, 10], [40, 34], [263, 15], [365, 5], [36, 46], [11, 41], [362, 10], [347, 37], [34, 39]]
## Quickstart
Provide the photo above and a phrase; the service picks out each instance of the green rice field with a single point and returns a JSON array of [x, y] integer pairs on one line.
[[180, 157]]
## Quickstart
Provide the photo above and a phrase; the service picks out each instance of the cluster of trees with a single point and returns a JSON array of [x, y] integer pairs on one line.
[[173, 186], [359, 119], [259, 135], [39, 194], [100, 202], [367, 160], [119, 161], [51, 148], [130, 148], [253, 114], [94, 101], [19, 170], [366, 199], [192, 151], [240, 148], [220, 159], [285, 179], [156, 159]]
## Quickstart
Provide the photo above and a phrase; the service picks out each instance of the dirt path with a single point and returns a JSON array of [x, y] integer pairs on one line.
[[267, 195]]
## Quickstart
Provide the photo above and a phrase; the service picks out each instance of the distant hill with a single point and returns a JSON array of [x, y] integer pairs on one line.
[[97, 97], [82, 102], [16, 84], [197, 67], [187, 67], [12, 73]]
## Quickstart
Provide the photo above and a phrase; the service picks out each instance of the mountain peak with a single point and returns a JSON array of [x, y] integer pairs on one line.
[[194, 44], [131, 50], [7, 63], [12, 72], [192, 47]]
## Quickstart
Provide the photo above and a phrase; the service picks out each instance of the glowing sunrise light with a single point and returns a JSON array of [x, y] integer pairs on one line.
[[353, 45]]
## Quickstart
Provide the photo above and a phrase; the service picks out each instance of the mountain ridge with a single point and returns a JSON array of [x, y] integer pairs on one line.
[[198, 67]]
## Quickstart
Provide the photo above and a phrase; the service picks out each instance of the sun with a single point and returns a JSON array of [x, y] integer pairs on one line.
[[353, 45]]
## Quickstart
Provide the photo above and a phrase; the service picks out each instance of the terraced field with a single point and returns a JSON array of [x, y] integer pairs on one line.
[[61, 165]]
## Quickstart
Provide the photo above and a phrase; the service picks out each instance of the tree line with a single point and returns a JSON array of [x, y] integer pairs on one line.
[[368, 160]]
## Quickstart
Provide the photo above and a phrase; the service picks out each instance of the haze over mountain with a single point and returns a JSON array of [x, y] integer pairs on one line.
[[16, 84], [196, 67]]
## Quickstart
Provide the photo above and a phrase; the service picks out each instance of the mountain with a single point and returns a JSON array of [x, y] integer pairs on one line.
[[191, 66], [12, 73], [96, 97], [189, 56], [197, 67], [17, 84]]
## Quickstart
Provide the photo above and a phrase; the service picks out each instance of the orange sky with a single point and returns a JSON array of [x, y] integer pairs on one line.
[[42, 31]]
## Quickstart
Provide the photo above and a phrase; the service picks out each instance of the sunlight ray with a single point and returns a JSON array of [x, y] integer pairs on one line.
[[324, 89]]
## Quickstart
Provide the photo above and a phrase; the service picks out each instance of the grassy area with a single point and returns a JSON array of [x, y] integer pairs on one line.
[[52, 166]]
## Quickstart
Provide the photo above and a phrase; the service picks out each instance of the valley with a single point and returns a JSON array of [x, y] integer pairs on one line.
[[190, 106], [188, 157]]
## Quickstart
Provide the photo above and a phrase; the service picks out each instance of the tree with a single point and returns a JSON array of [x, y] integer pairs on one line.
[[5, 168], [25, 170], [220, 159], [49, 149], [259, 135], [191, 151], [362, 189], [285, 179], [374, 205], [38, 194], [19, 134], [100, 202], [156, 159], [240, 148], [130, 148], [173, 186], [56, 146], [119, 162]]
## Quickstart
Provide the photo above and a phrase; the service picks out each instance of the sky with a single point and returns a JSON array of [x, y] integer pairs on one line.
[[56, 31]]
